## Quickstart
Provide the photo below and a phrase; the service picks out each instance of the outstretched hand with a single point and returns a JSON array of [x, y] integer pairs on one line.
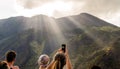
[[61, 51]]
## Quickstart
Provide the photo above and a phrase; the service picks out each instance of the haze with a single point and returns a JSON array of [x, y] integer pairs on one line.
[[107, 10]]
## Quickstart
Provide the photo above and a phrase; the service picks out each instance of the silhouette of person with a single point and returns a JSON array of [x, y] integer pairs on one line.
[[10, 58]]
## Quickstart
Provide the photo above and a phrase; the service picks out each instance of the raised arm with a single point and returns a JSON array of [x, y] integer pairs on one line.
[[50, 65], [68, 62]]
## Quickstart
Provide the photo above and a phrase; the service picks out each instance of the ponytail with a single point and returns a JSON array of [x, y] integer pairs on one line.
[[60, 61], [59, 65]]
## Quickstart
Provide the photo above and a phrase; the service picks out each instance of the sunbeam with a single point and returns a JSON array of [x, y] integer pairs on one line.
[[79, 25], [57, 31]]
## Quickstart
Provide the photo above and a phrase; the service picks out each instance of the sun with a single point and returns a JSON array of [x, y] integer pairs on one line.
[[46, 9]]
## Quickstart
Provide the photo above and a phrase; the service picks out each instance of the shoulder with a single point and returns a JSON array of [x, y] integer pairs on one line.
[[16, 67]]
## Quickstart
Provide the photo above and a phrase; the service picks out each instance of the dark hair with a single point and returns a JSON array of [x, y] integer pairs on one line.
[[3, 65], [95, 67], [60, 60], [10, 56]]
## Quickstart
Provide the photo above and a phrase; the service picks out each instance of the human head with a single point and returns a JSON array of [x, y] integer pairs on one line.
[[3, 65], [60, 61], [10, 56], [43, 60], [95, 67]]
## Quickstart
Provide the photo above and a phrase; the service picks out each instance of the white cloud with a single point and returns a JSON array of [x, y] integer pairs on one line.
[[105, 9], [7, 8]]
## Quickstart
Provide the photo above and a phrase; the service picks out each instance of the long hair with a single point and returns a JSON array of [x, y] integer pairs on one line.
[[60, 61], [3, 65]]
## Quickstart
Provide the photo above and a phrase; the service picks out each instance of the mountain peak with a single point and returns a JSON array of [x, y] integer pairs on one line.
[[84, 13], [94, 20], [87, 15], [39, 16]]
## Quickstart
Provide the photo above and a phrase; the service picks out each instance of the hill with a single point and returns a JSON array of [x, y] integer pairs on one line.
[[90, 40]]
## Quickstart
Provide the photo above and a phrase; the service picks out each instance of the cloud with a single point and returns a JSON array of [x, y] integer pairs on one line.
[[92, 6], [30, 4], [107, 10], [102, 6]]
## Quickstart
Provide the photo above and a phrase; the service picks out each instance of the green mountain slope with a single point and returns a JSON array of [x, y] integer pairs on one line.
[[90, 40]]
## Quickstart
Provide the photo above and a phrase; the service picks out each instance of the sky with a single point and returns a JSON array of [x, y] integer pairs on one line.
[[108, 10]]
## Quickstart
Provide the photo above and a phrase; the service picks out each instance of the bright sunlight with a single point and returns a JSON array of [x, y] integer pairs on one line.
[[46, 9]]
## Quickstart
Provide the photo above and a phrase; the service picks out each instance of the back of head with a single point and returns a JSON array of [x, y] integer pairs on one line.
[[95, 67], [3, 65], [10, 56], [60, 61], [43, 60]]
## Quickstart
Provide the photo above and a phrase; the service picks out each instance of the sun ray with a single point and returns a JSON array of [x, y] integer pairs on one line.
[[57, 31], [97, 40]]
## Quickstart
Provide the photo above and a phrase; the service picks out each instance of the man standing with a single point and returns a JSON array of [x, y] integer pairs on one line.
[[10, 58]]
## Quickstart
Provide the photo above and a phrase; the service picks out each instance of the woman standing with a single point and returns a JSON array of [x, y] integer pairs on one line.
[[60, 60]]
